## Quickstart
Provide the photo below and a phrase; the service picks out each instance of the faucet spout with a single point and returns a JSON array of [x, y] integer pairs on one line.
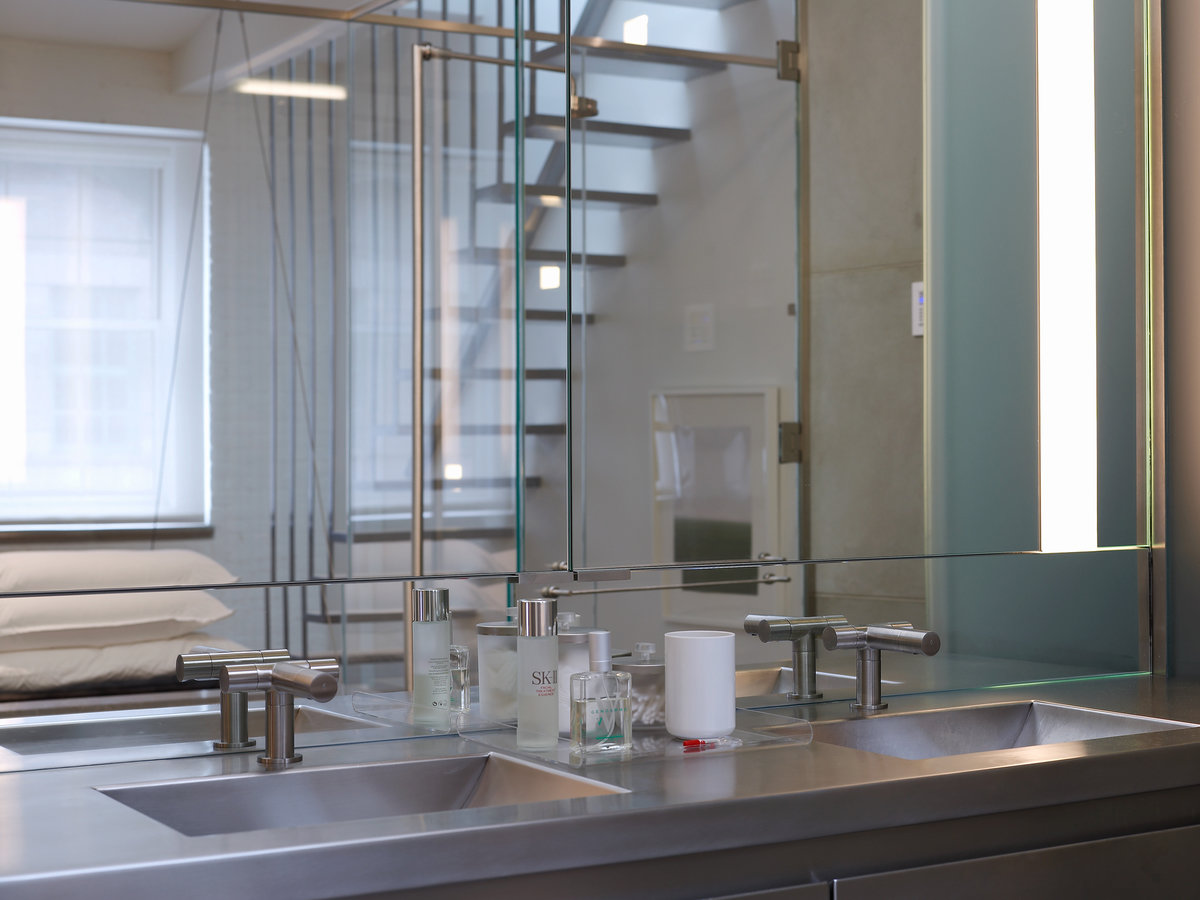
[[869, 641], [316, 679]]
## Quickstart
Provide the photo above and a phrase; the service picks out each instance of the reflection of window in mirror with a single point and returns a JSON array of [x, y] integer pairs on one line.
[[102, 312]]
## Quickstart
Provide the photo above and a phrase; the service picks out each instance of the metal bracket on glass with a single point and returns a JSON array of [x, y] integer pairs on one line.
[[581, 107], [789, 61], [789, 442]]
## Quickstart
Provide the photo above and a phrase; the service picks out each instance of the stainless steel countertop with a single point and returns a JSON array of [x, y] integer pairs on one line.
[[59, 836]]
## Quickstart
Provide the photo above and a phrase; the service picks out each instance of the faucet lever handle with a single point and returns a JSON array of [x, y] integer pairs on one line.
[[844, 637], [903, 640], [316, 679], [789, 628], [205, 663]]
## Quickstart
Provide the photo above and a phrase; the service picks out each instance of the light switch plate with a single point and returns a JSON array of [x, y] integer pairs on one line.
[[699, 327], [918, 309]]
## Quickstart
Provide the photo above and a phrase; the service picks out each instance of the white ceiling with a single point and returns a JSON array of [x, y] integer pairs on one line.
[[117, 23]]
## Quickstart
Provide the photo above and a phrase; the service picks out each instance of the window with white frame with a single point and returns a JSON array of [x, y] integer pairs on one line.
[[103, 326]]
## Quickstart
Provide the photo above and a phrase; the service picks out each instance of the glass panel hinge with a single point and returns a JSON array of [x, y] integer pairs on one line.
[[789, 442], [789, 62]]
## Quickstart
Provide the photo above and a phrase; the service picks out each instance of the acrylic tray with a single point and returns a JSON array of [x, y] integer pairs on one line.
[[752, 729]]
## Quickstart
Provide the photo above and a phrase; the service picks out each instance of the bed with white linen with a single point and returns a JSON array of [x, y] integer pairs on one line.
[[103, 621]]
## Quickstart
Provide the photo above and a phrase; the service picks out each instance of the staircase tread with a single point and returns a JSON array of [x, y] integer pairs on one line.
[[613, 58], [488, 428], [601, 131], [499, 372], [506, 192], [598, 260], [475, 314]]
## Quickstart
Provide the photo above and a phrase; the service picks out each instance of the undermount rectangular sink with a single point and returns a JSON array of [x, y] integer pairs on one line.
[[758, 681], [106, 733], [975, 729], [236, 803]]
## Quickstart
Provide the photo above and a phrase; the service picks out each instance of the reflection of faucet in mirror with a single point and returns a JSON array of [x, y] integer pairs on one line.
[[800, 632], [316, 679], [869, 641], [205, 664]]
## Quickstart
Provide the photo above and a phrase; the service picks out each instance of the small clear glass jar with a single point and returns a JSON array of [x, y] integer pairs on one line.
[[496, 647], [573, 656], [648, 685]]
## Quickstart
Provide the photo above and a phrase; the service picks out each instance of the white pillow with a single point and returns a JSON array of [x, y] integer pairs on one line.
[[66, 570], [97, 620], [43, 670]]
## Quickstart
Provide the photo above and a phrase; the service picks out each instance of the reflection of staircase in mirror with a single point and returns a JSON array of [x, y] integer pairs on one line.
[[472, 375]]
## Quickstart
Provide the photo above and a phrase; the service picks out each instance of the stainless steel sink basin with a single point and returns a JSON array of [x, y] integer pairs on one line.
[[235, 803], [98, 732], [975, 729], [759, 681]]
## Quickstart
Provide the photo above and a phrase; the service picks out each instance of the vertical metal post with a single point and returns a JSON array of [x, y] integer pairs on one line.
[[273, 463], [290, 293], [420, 52], [311, 399]]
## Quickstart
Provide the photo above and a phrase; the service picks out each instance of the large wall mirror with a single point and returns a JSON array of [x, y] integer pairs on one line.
[[726, 307]]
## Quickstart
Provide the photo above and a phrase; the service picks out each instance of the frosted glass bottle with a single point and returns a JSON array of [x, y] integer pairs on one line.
[[537, 674], [431, 657], [497, 643], [573, 656]]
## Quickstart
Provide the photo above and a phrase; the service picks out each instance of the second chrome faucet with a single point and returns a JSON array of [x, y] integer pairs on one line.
[[869, 640]]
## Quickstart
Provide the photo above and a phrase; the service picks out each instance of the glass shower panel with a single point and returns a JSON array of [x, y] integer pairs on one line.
[[438, 232], [686, 225], [543, 165]]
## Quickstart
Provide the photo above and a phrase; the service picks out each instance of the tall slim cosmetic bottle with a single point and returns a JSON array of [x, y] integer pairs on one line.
[[537, 674], [431, 657]]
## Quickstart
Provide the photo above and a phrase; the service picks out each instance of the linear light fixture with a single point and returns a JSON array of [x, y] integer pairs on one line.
[[1066, 155], [307, 90], [13, 448]]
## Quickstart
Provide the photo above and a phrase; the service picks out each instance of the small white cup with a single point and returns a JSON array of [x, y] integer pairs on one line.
[[699, 683]]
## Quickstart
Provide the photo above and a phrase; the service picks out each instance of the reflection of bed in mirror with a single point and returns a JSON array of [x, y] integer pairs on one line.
[[57, 643]]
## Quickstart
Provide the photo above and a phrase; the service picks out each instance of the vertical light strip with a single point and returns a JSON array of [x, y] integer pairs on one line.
[[1067, 274], [13, 448]]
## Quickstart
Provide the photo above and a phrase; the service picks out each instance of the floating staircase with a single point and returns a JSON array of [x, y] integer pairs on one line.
[[482, 369]]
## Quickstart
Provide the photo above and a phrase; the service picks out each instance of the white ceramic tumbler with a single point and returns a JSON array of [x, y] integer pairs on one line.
[[699, 683]]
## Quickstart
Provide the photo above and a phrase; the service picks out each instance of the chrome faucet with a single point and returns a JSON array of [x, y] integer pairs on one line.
[[800, 632], [316, 679], [205, 664], [869, 640]]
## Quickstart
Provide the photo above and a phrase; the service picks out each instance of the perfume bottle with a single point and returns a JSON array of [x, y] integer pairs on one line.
[[460, 678], [431, 657], [601, 708], [537, 674]]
